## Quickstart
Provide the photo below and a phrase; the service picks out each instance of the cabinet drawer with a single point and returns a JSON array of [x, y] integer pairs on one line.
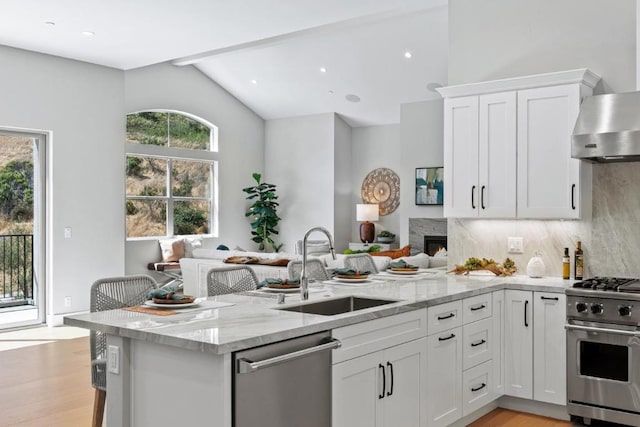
[[444, 316], [476, 387], [477, 341], [476, 308], [367, 337]]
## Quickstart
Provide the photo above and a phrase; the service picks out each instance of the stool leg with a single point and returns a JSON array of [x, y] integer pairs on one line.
[[98, 407]]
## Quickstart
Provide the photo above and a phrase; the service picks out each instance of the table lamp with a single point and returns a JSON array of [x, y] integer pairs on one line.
[[366, 213]]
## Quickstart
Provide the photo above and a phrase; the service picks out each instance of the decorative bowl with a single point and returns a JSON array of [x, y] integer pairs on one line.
[[386, 239]]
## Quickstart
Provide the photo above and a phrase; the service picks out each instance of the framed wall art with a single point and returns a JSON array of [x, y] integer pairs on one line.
[[429, 186]]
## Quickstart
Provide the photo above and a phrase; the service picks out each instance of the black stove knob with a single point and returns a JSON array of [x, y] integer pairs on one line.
[[581, 307], [597, 308], [624, 310]]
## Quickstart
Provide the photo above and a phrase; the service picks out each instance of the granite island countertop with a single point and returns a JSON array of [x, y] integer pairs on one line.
[[254, 320]]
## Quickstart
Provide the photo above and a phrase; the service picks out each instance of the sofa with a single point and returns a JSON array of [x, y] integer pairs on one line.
[[194, 270]]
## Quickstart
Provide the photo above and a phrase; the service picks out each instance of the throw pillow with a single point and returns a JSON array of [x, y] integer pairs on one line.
[[191, 243], [396, 253], [172, 250], [420, 260]]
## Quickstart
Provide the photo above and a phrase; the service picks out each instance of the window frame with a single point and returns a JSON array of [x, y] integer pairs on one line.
[[171, 154]]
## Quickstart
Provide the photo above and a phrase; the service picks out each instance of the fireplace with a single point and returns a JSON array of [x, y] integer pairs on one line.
[[433, 244]]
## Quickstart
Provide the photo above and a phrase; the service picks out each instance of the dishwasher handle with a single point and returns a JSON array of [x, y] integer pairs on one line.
[[246, 366]]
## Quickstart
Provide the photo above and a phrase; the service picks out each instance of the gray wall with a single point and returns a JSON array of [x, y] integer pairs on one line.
[[343, 206], [82, 107], [240, 146], [506, 38]]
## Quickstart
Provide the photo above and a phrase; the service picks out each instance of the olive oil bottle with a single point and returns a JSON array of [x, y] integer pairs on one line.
[[566, 264], [578, 260]]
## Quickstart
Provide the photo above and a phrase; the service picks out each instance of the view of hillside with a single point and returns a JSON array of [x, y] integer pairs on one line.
[[16, 185], [148, 177]]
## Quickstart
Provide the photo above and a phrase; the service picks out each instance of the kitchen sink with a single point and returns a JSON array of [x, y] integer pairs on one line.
[[337, 306]]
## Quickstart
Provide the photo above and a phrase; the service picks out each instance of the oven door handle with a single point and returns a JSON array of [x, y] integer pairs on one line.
[[601, 330]]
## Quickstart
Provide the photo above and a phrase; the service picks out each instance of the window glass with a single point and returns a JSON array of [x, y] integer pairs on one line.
[[190, 217], [190, 179], [185, 132], [146, 218], [148, 128]]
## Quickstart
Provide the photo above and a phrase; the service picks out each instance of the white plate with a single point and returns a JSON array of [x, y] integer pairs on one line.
[[183, 305], [284, 291], [343, 280], [402, 272]]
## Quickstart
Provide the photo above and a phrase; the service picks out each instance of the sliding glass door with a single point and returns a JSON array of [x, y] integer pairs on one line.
[[22, 207]]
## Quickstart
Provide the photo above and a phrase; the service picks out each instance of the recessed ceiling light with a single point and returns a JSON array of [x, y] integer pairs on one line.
[[352, 98], [51, 23], [88, 33], [255, 82], [408, 55], [323, 70]]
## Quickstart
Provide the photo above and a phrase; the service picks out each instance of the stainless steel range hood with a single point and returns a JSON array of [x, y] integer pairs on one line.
[[608, 129]]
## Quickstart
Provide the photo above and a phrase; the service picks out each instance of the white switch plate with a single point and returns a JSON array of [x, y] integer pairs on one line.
[[515, 245], [113, 359], [67, 232], [67, 301]]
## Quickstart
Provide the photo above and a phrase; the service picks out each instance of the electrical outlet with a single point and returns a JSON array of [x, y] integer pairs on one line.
[[113, 359], [515, 245], [67, 301]]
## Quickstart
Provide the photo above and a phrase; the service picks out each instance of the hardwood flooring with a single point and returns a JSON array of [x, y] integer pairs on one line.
[[506, 418], [46, 385]]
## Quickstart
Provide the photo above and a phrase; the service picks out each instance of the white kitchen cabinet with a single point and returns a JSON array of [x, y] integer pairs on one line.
[[477, 387], [444, 371], [549, 180], [507, 147], [477, 339], [444, 316], [498, 341], [480, 154], [549, 348], [385, 388], [535, 346], [518, 361]]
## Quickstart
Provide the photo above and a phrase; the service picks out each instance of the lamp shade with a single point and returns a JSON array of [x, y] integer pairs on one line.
[[367, 212]]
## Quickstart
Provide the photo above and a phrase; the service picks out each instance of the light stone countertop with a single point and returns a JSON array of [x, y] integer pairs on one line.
[[252, 320]]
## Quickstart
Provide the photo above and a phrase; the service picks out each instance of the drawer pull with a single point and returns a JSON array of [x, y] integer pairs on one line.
[[446, 338], [478, 388], [479, 307], [475, 344], [448, 316], [549, 298]]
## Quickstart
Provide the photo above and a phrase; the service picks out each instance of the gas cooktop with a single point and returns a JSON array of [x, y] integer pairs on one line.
[[615, 284]]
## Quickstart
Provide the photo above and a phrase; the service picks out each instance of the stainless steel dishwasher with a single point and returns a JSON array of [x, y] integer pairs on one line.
[[286, 384]]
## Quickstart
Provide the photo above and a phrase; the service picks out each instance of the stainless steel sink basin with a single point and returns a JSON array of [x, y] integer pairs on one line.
[[337, 306]]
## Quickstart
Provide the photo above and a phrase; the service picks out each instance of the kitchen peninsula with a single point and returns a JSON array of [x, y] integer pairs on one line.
[[177, 369]]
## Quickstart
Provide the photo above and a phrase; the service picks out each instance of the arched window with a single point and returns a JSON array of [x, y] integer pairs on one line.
[[171, 173]]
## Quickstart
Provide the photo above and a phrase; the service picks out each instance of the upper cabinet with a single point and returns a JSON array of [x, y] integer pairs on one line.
[[507, 148]]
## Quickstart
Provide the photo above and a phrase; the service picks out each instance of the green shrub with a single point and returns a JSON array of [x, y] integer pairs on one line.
[[16, 190], [187, 219]]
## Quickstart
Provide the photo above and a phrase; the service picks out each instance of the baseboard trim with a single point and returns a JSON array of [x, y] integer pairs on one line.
[[534, 407], [58, 319]]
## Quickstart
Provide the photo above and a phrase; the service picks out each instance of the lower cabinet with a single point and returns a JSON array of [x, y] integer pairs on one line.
[[477, 389], [385, 388], [444, 373]]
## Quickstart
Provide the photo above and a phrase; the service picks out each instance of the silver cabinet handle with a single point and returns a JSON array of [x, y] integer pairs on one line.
[[601, 330], [247, 366]]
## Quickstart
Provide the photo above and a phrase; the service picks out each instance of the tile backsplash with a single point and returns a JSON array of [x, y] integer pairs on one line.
[[610, 239]]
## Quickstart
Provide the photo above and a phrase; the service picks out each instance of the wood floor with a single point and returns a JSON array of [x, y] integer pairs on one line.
[[49, 385]]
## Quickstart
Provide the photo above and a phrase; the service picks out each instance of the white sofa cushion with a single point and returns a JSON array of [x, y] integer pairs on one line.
[[381, 262], [435, 262], [421, 260]]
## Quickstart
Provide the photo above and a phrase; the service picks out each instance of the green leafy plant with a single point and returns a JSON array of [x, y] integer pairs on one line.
[[385, 233], [372, 248], [263, 212]]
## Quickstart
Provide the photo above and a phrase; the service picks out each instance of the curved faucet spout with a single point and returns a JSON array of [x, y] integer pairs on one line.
[[304, 280]]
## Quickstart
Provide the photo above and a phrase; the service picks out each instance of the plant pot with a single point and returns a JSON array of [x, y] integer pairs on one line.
[[386, 239]]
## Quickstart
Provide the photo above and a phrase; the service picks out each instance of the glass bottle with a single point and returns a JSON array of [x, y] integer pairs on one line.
[[566, 261], [578, 262]]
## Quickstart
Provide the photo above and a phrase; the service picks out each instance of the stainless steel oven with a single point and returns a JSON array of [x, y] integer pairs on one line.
[[603, 355]]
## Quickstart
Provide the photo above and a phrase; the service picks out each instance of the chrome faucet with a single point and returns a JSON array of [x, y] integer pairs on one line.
[[304, 280]]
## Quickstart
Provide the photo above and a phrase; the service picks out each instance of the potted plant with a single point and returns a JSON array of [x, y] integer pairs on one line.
[[264, 213], [386, 237]]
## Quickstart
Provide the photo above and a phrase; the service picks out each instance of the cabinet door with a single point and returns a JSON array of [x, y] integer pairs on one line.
[[406, 388], [549, 348], [357, 385], [498, 342], [461, 157], [497, 155], [519, 344], [477, 343], [444, 373], [548, 178]]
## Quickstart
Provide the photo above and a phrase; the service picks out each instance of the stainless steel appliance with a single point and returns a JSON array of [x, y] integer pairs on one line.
[[608, 128], [603, 350], [286, 384]]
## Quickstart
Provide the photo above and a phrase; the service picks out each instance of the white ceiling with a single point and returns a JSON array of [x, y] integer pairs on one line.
[[282, 44]]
